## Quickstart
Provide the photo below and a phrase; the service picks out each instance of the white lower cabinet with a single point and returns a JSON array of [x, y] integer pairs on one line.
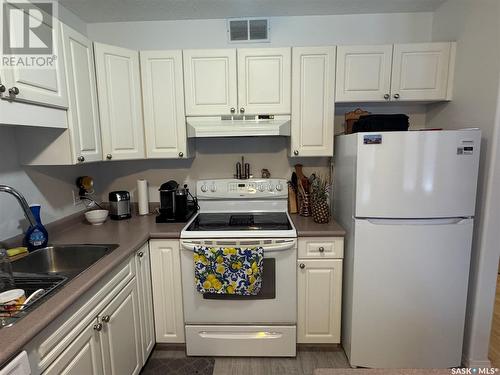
[[82, 356], [109, 330], [167, 291], [319, 289]]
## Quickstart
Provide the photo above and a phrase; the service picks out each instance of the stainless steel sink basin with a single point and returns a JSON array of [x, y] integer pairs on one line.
[[68, 260]]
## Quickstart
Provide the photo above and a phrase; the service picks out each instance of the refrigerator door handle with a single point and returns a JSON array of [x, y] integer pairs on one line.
[[444, 221]]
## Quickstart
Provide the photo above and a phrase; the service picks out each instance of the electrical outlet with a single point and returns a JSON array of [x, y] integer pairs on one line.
[[76, 198]]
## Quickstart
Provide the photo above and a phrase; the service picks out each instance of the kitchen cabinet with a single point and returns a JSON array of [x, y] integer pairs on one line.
[[120, 102], [120, 336], [420, 71], [363, 73], [163, 99], [82, 356], [319, 290], [17, 366], [109, 330], [264, 80], [245, 81], [43, 86], [210, 82], [145, 297], [400, 72], [167, 291], [313, 79]]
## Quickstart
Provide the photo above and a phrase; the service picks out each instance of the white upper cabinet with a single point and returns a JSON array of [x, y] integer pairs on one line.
[[264, 80], [403, 72], [420, 71], [313, 80], [120, 102], [45, 86], [363, 73], [83, 113], [163, 98], [210, 82]]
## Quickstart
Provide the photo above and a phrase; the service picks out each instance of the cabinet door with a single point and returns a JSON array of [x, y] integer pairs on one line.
[[120, 335], [210, 82], [120, 102], [264, 80], [363, 73], [163, 97], [45, 86], [313, 82], [145, 295], [420, 71], [167, 291], [319, 284], [82, 356], [83, 114]]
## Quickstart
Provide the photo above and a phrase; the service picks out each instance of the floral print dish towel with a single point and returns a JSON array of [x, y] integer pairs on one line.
[[228, 270]]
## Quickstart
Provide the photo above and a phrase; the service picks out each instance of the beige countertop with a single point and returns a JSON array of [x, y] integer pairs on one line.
[[306, 227], [131, 234]]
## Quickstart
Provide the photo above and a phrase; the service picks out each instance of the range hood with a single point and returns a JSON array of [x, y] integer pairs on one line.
[[238, 126]]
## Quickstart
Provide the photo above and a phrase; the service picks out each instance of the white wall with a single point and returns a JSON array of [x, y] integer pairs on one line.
[[285, 31], [476, 27], [50, 186]]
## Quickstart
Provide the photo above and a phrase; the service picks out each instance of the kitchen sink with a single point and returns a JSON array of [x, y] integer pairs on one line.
[[49, 269], [69, 260]]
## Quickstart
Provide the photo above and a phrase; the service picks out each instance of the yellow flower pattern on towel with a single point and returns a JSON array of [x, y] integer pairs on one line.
[[228, 270]]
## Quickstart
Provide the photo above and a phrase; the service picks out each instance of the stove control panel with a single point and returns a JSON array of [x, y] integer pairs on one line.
[[252, 188]]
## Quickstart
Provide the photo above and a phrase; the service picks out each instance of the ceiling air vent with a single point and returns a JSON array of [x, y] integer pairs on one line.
[[248, 30]]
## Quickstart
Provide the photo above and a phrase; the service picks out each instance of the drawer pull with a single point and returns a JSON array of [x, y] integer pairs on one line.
[[321, 249]]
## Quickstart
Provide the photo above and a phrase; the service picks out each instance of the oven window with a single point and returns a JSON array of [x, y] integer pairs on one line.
[[267, 291]]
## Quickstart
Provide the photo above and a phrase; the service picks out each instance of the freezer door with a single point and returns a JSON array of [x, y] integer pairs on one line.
[[409, 292], [417, 174]]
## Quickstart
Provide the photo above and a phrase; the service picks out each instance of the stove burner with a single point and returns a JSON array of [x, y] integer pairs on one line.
[[241, 220]]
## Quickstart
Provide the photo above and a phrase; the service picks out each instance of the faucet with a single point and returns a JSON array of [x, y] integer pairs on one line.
[[22, 202]]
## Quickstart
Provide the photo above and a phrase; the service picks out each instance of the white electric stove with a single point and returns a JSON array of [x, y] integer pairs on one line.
[[243, 213]]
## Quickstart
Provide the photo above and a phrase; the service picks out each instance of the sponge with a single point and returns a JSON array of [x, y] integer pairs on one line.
[[16, 251]]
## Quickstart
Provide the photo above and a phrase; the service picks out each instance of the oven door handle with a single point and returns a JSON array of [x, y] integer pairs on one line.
[[267, 248]]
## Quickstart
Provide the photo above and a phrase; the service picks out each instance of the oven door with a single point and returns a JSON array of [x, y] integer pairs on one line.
[[276, 303]]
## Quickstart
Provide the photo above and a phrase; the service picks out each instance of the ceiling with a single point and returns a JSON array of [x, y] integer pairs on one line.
[[152, 10]]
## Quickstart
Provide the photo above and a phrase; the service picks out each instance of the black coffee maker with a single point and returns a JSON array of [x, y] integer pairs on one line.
[[176, 204]]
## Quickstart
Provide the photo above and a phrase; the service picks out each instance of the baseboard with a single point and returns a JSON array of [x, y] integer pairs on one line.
[[468, 362]]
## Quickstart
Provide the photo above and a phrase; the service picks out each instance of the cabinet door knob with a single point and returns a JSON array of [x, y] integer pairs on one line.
[[387, 96], [106, 318], [2, 88], [242, 110], [109, 156], [81, 159], [140, 254], [233, 109], [302, 266], [396, 96], [98, 327], [321, 249], [14, 91], [181, 154], [296, 152]]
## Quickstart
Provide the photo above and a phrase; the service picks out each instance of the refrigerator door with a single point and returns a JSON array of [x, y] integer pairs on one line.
[[409, 284], [417, 174]]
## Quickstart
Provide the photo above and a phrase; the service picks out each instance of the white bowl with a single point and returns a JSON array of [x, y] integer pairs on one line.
[[96, 217]]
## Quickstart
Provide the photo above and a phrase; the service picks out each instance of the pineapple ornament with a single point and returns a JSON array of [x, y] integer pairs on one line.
[[319, 196]]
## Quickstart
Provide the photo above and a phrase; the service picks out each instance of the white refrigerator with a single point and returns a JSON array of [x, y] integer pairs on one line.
[[406, 200]]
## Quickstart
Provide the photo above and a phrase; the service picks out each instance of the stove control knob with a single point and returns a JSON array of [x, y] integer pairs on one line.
[[271, 187], [262, 188], [204, 188], [213, 188], [279, 187]]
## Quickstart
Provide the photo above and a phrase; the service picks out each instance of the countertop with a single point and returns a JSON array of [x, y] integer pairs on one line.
[[131, 234]]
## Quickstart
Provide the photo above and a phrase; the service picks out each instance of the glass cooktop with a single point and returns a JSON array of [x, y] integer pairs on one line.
[[240, 221]]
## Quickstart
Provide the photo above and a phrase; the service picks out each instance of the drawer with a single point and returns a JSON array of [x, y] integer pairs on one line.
[[321, 247]]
